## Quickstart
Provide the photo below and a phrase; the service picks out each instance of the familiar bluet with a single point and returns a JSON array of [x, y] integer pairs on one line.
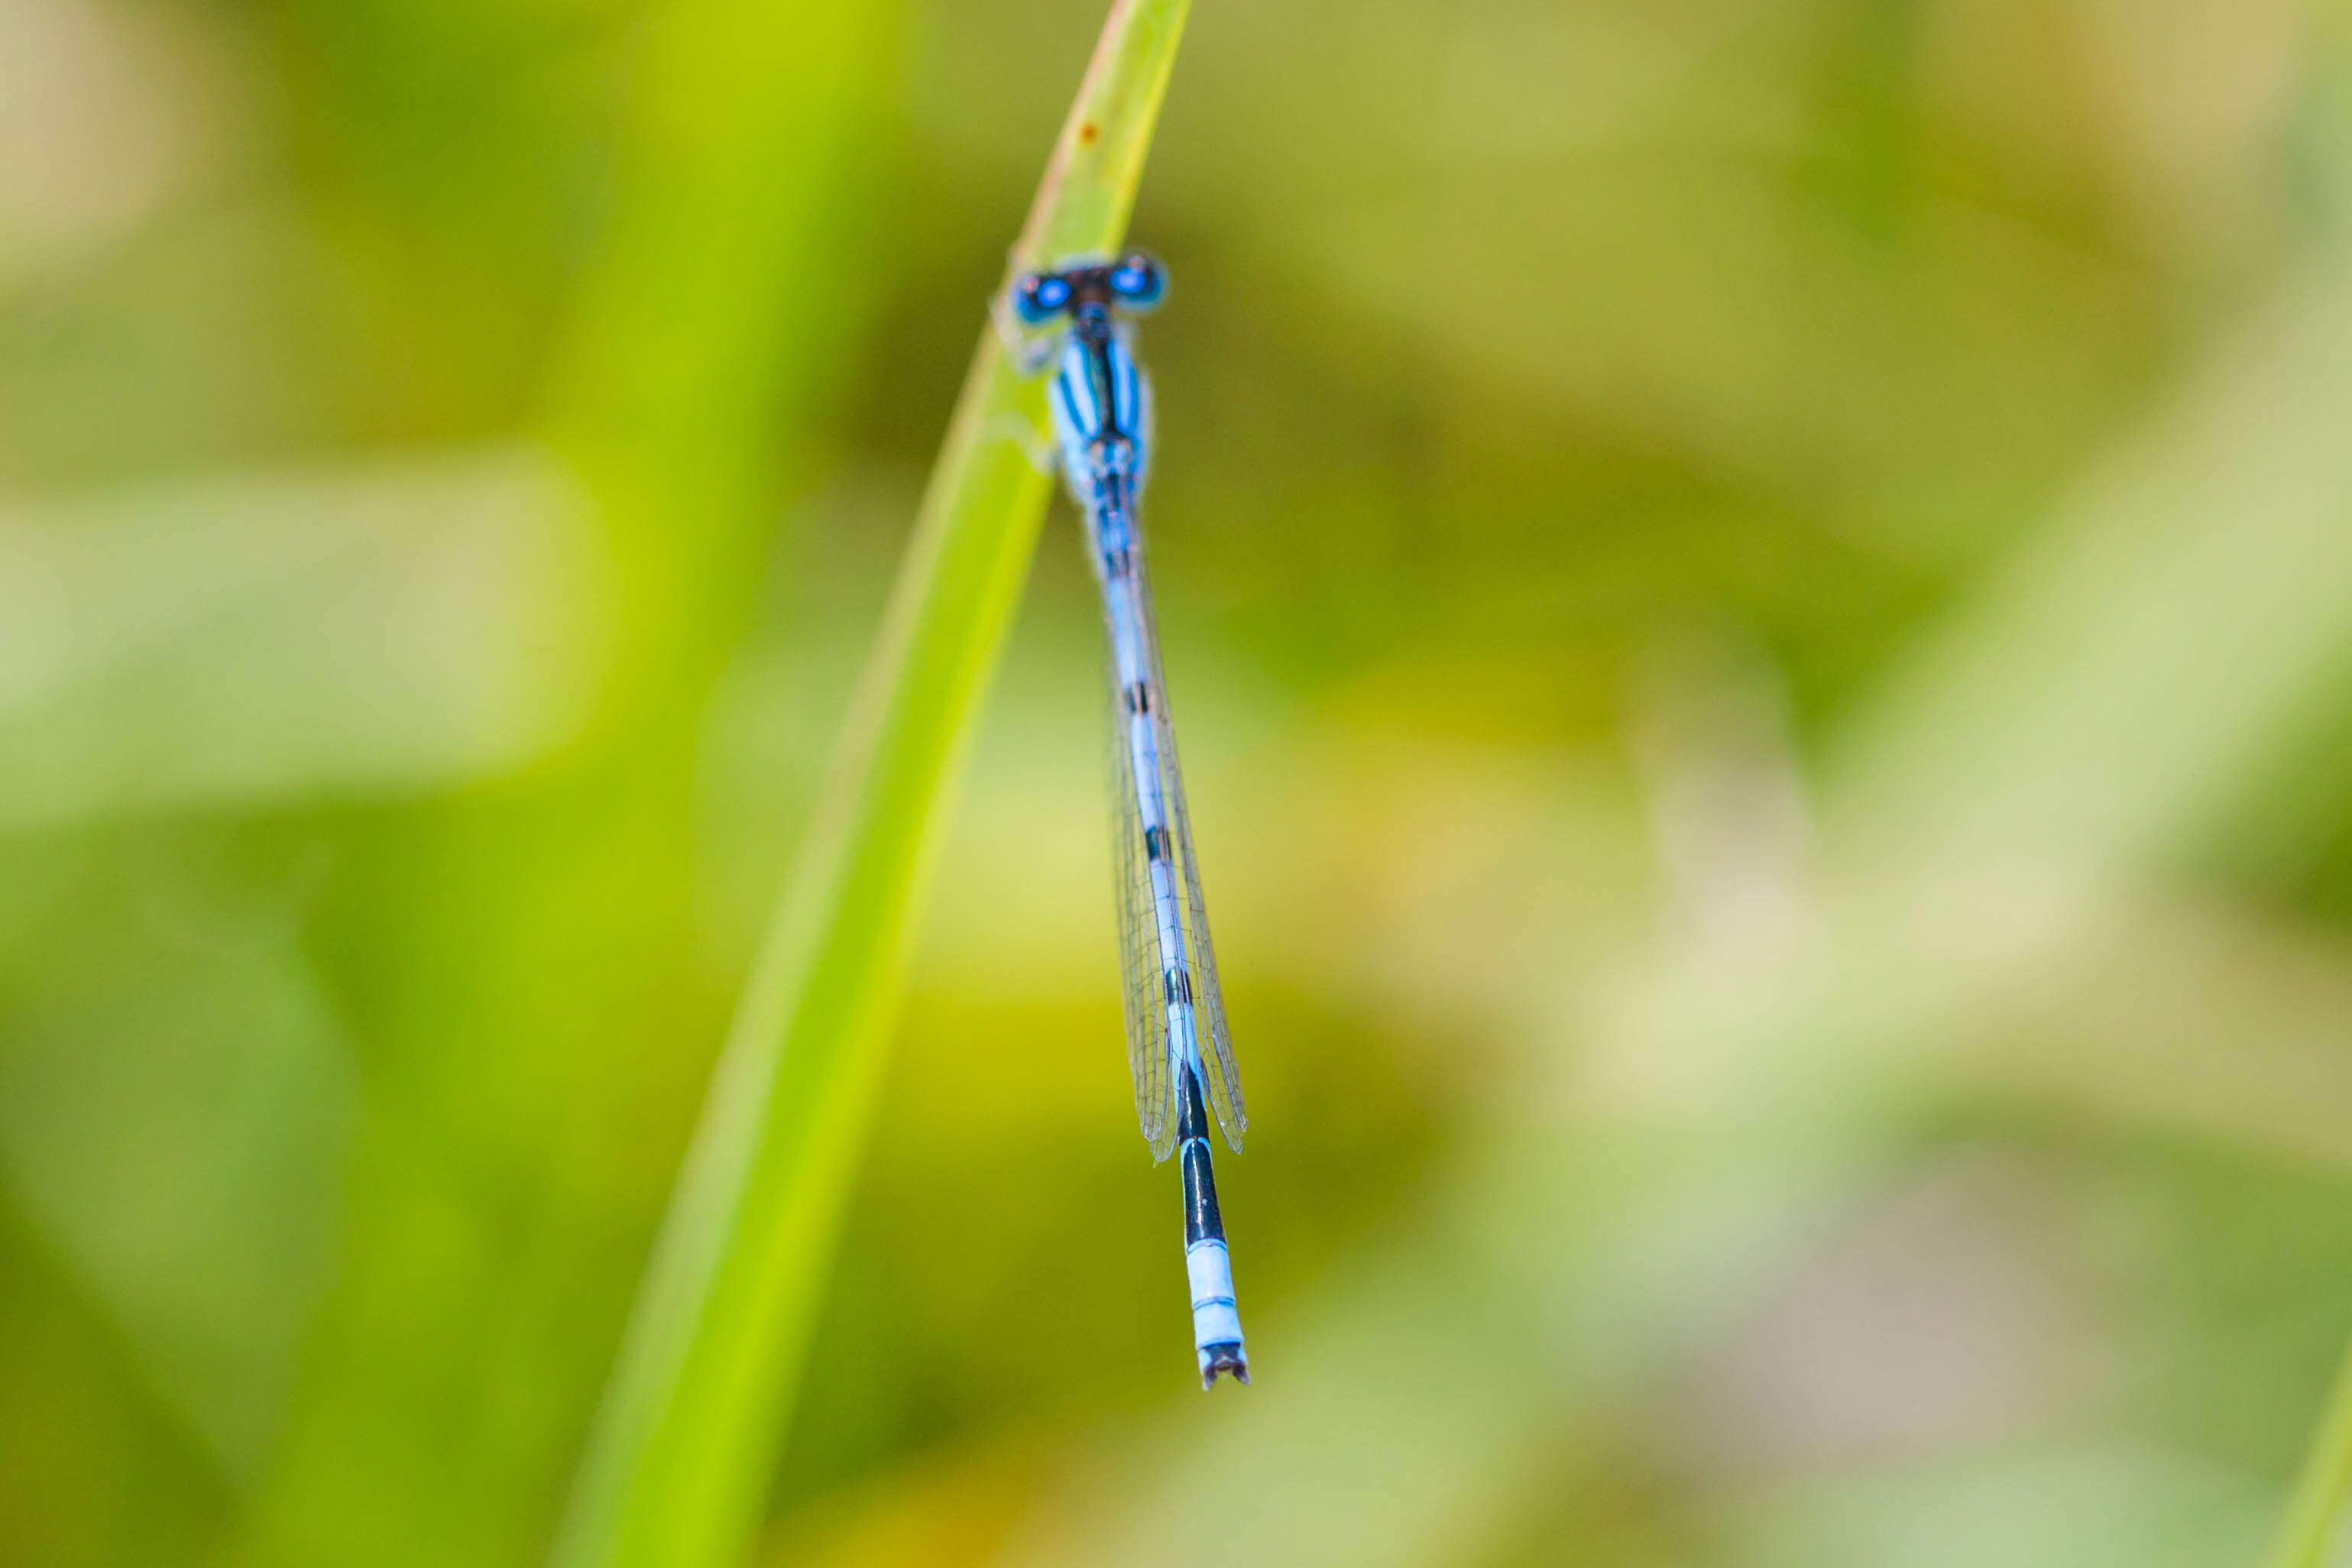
[[1177, 1043]]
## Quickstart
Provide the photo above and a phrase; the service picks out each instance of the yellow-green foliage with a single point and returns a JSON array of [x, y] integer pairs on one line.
[[1759, 602]]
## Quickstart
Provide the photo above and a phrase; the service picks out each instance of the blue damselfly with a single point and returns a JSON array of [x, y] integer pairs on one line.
[[1177, 1045]]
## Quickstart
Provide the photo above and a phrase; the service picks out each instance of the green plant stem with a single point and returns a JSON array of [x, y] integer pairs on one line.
[[2317, 1506], [694, 1415]]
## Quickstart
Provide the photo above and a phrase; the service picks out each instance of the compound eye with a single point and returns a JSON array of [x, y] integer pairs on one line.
[[1139, 282], [1040, 297]]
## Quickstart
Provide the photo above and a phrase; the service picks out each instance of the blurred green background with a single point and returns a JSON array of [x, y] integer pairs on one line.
[[1761, 598]]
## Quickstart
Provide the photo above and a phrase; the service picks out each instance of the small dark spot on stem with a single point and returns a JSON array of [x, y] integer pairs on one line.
[[1087, 133]]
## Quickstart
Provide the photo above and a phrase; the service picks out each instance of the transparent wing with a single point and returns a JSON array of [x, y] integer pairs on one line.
[[1224, 1087], [1139, 944]]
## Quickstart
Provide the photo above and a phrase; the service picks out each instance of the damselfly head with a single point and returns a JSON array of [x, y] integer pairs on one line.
[[1134, 283]]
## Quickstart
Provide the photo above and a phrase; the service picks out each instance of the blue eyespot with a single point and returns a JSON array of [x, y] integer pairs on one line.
[[1139, 282], [1039, 298]]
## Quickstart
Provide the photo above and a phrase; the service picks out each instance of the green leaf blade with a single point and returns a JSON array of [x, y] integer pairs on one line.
[[694, 1415]]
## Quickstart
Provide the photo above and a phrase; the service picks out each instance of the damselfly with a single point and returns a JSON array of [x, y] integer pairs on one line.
[[1177, 1045]]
